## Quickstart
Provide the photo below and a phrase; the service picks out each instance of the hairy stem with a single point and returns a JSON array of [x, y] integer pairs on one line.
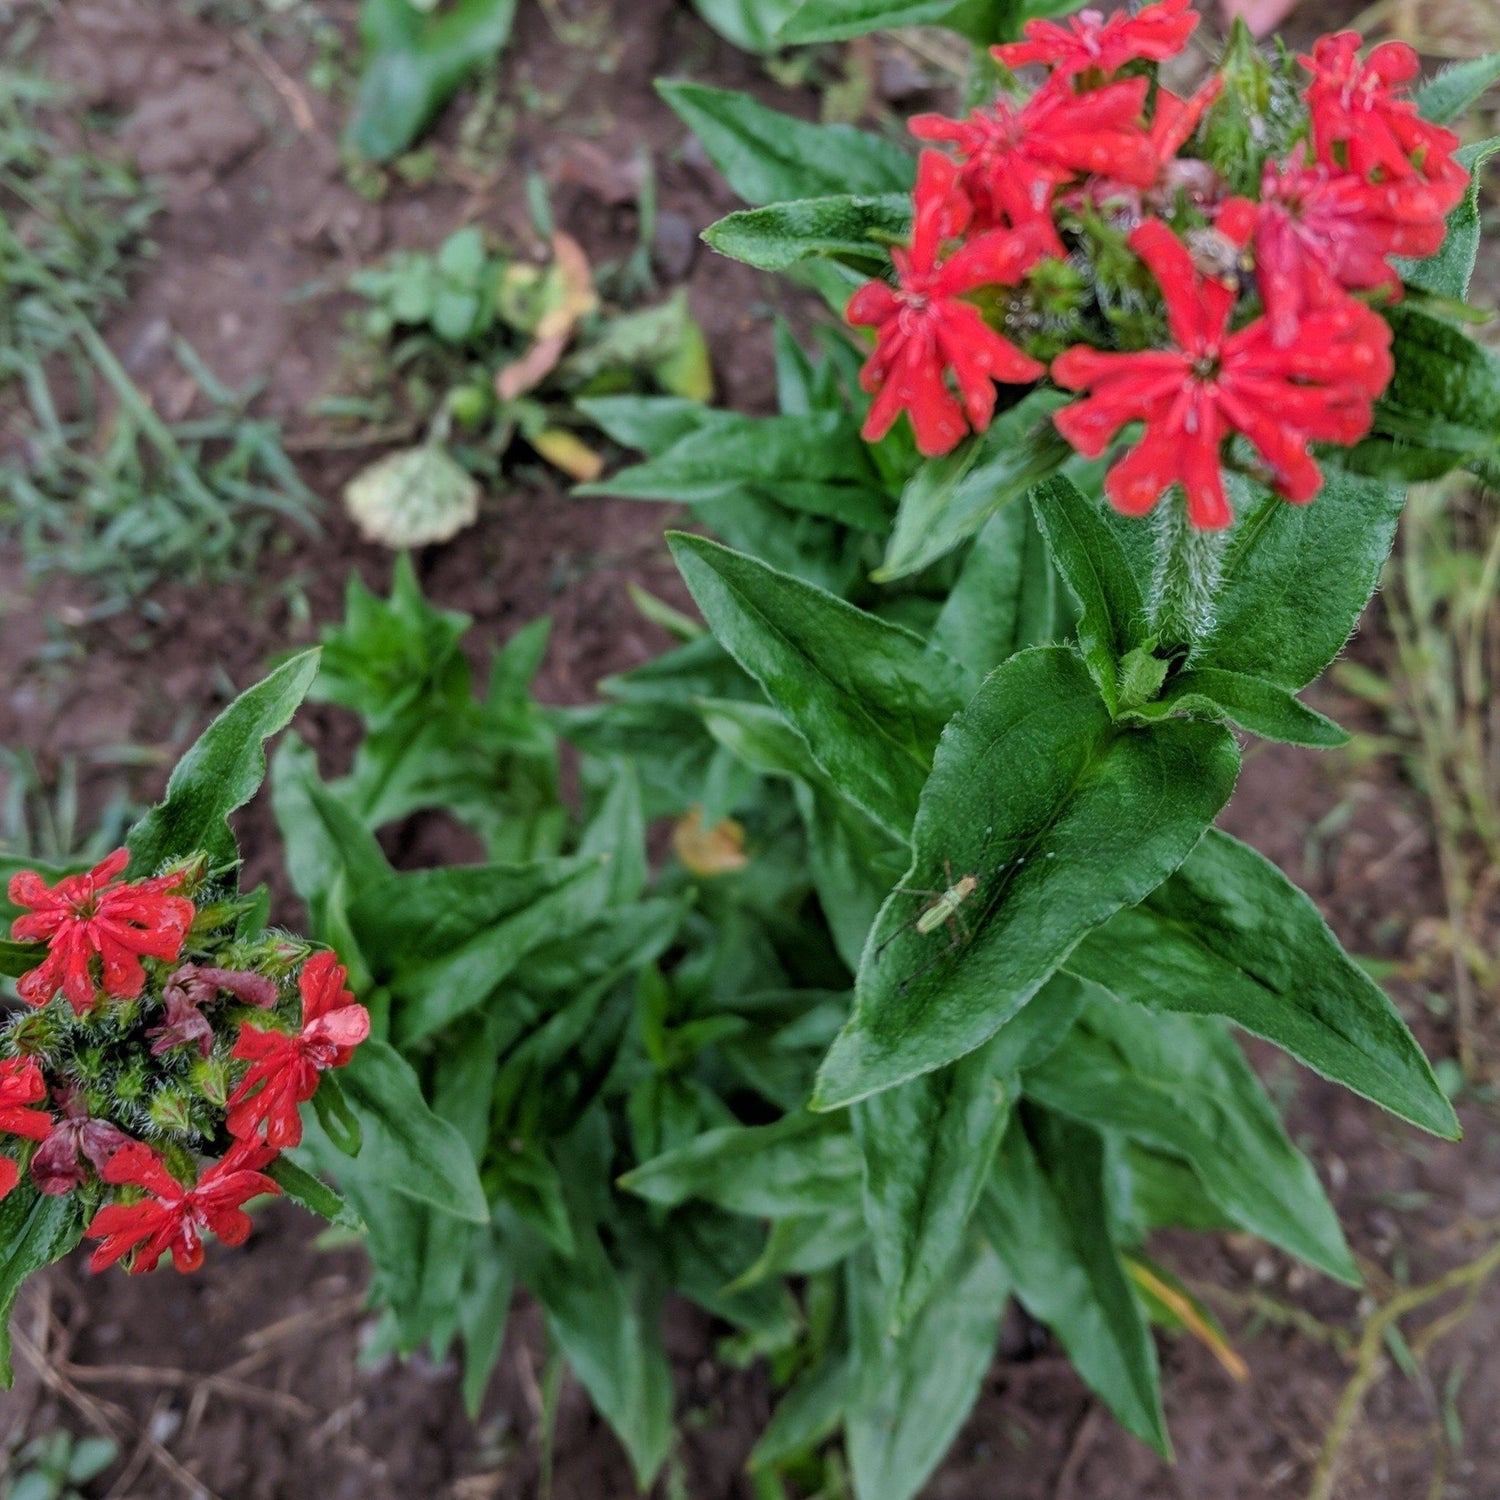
[[1189, 566]]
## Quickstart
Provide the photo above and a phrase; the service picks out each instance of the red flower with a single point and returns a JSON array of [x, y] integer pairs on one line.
[[1015, 157], [1319, 231], [194, 986], [926, 328], [77, 1140], [84, 915], [284, 1069], [1089, 40], [21, 1084], [1362, 125], [174, 1217], [1214, 383]]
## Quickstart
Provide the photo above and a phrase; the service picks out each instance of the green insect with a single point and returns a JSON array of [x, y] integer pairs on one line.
[[944, 911]]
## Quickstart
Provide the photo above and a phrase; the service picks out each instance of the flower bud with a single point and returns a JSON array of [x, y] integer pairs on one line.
[[1260, 114]]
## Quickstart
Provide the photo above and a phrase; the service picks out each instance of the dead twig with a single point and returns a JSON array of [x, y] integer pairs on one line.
[[292, 96], [1370, 1362]]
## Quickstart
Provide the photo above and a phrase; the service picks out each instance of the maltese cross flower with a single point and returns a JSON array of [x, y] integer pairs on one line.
[[1090, 40], [1361, 123], [284, 1069], [1014, 158], [1215, 383], [174, 1216], [85, 915], [194, 986], [925, 328], [1319, 231], [77, 1141], [21, 1085]]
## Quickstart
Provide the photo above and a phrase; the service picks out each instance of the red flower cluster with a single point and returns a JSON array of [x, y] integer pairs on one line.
[[97, 915], [193, 1060], [1268, 339], [284, 1069], [173, 1216]]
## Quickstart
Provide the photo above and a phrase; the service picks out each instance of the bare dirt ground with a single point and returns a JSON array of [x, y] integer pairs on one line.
[[245, 1382]]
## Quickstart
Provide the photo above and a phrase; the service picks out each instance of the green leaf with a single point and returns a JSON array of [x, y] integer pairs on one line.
[[607, 1328], [413, 1152], [818, 464], [768, 157], [17, 958], [1264, 708], [649, 423], [1296, 578], [1230, 935], [220, 773], [802, 1164], [805, 1417], [1441, 409], [1047, 1217], [868, 697], [1061, 819], [1179, 1085], [1008, 596], [35, 1230], [326, 845], [1443, 98], [911, 1394], [1449, 272], [950, 499], [751, 24], [415, 61], [928, 1146], [853, 861], [483, 1311], [838, 20], [855, 227], [1089, 555], [446, 939], [617, 835], [301, 1186]]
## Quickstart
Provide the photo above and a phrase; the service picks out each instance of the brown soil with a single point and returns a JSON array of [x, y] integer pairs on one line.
[[259, 207]]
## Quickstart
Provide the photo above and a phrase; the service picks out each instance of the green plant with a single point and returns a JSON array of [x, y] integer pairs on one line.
[[56, 1466], [491, 349], [418, 53], [105, 488]]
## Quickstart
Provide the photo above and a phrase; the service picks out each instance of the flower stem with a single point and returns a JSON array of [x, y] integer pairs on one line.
[[1189, 565]]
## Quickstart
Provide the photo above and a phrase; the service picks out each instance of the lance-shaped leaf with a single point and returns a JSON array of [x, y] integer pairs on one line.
[[1443, 98], [800, 1165], [1230, 935], [850, 226], [1047, 1216], [1179, 1085], [817, 464], [35, 1230], [1007, 597], [1449, 272], [606, 1321], [768, 157], [751, 24], [869, 698], [910, 1394], [929, 1143], [928, 1146], [405, 1146], [1296, 578], [838, 20], [1041, 820], [1089, 554], [1442, 407], [1264, 708], [446, 939], [220, 773], [950, 499]]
